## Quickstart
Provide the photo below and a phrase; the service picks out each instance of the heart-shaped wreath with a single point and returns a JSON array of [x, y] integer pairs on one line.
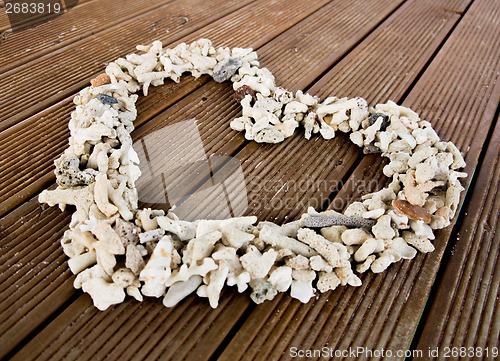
[[118, 249]]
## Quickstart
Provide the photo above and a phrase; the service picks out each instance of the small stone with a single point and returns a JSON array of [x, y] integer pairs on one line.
[[241, 92], [225, 69], [262, 291], [106, 99]]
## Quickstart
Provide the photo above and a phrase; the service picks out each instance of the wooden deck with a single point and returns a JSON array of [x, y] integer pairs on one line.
[[439, 57]]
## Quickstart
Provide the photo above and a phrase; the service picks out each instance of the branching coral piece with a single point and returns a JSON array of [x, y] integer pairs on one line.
[[180, 290], [412, 211], [341, 220], [322, 246]]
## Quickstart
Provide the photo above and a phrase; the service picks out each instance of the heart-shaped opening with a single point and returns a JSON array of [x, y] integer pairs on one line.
[[116, 248], [178, 174]]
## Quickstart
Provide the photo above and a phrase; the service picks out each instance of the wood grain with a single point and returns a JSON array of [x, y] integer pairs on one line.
[[437, 57]]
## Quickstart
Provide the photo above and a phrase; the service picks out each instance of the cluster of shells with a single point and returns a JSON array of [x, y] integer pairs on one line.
[[117, 249]]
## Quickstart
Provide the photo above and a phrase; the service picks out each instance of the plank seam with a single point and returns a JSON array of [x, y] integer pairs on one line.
[[347, 50], [44, 324], [436, 51]]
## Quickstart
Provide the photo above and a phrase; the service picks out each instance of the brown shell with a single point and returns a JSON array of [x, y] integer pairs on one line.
[[412, 211], [101, 79], [241, 92]]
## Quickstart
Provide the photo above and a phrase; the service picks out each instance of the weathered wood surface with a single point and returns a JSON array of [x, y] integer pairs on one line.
[[439, 57]]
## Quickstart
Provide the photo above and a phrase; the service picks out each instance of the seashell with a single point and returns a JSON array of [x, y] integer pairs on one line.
[[106, 99], [412, 211]]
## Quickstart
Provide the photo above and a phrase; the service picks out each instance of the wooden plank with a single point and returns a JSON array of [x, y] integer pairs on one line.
[[472, 99], [57, 80], [4, 20], [398, 42], [86, 20], [12, 333], [32, 266], [6, 26]]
